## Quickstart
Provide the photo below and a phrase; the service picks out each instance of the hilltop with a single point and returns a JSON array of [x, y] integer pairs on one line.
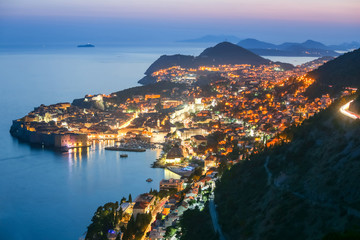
[[333, 76], [222, 53], [228, 53]]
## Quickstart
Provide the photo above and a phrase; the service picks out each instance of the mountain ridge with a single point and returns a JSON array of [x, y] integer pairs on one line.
[[308, 48], [222, 53], [251, 43], [335, 75]]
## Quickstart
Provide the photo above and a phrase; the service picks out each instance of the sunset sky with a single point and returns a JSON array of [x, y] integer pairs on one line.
[[330, 21]]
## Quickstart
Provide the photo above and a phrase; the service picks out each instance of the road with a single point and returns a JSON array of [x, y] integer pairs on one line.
[[214, 219], [269, 175], [127, 123], [345, 111]]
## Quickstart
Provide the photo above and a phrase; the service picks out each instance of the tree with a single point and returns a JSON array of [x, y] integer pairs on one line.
[[105, 218], [158, 106], [235, 153], [170, 231], [130, 198], [190, 227]]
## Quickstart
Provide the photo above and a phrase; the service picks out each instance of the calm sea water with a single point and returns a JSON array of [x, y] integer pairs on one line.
[[49, 195], [293, 60]]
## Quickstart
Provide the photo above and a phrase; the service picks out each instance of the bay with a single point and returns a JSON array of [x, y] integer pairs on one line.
[[50, 195]]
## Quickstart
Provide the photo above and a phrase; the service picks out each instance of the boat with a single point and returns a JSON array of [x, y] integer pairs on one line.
[[125, 149], [86, 45], [123, 155], [64, 149], [149, 180]]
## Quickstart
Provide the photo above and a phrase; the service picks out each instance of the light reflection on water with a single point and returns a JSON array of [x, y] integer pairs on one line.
[[40, 183], [53, 195], [46, 194]]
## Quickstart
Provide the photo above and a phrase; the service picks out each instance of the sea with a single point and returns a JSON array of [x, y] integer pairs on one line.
[[50, 195]]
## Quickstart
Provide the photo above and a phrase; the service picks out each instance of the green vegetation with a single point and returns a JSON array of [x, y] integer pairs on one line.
[[347, 235], [341, 72], [165, 89], [137, 226], [235, 153], [197, 225], [311, 180], [170, 232], [163, 193], [105, 218]]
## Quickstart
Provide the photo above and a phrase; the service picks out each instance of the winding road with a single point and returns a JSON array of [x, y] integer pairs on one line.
[[214, 219], [345, 111]]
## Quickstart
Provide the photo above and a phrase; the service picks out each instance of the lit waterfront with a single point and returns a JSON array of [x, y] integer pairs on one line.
[[42, 190], [43, 185]]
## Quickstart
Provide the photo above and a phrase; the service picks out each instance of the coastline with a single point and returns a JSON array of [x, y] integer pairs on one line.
[[74, 161]]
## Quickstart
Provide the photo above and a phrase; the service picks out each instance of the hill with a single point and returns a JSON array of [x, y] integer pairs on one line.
[[343, 71], [222, 53], [308, 48], [345, 46], [166, 61], [251, 43], [314, 44], [164, 89], [305, 189], [228, 53]]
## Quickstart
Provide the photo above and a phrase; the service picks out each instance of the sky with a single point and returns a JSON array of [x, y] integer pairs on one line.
[[329, 21]]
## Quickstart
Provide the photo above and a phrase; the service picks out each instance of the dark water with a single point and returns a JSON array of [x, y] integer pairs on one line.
[[49, 195]]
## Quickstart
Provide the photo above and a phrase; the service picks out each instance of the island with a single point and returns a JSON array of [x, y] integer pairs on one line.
[[88, 45], [309, 48]]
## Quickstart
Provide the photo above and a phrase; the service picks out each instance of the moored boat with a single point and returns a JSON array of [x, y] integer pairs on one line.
[[125, 149]]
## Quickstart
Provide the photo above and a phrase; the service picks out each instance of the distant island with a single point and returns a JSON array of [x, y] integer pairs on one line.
[[251, 43], [86, 45], [308, 48]]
